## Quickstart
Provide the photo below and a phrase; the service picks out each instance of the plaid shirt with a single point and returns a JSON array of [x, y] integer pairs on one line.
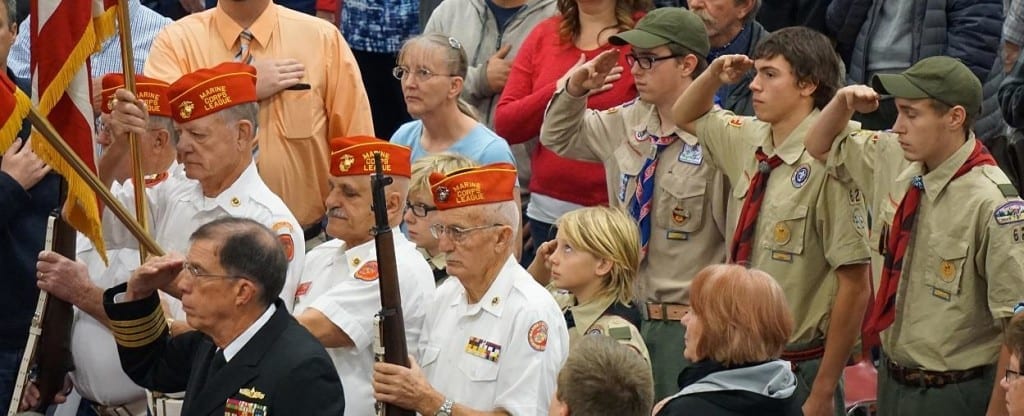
[[379, 26]]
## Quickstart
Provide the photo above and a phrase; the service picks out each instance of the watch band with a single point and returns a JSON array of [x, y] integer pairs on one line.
[[446, 408]]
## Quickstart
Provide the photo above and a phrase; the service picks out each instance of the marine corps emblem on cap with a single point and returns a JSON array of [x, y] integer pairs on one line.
[[359, 155], [185, 109], [442, 193], [346, 162]]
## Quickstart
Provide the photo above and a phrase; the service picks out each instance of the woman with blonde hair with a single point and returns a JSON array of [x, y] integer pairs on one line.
[[432, 69], [420, 210], [579, 33], [590, 268], [736, 329]]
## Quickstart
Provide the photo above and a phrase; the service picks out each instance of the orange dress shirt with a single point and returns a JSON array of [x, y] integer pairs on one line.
[[295, 126]]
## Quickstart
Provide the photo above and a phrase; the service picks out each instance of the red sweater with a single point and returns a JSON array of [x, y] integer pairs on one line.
[[541, 61]]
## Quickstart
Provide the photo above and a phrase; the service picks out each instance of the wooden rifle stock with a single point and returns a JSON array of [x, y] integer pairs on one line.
[[53, 356], [392, 323]]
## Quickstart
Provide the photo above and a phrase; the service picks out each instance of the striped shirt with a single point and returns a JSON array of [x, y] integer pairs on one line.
[[145, 25]]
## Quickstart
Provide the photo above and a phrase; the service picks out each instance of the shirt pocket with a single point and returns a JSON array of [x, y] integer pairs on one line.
[[428, 355], [785, 235], [680, 204], [629, 163], [945, 266], [479, 369], [297, 107]]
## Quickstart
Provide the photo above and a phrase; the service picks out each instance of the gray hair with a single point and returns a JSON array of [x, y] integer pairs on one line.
[[247, 111], [249, 250], [753, 11], [166, 123]]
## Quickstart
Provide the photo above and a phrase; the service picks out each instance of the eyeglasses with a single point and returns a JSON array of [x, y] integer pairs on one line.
[[419, 209], [1011, 375], [195, 272], [457, 234], [421, 74], [646, 62]]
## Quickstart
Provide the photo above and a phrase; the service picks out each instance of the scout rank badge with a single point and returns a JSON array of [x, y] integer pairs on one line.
[[484, 349], [236, 407], [691, 154], [800, 176], [781, 234], [538, 336]]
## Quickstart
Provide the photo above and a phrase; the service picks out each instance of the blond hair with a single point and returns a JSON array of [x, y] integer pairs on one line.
[[440, 162], [608, 234], [456, 61], [743, 312]]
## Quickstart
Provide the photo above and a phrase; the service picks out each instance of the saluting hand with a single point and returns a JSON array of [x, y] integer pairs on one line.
[[731, 68], [540, 267], [156, 273], [274, 75], [859, 98], [594, 76]]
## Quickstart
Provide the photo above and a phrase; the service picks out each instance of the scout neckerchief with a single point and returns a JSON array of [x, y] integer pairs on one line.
[[742, 242], [883, 311], [640, 209]]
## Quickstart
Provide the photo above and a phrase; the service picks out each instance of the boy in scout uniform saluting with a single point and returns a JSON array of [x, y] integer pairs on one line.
[[655, 171], [339, 292], [949, 225], [797, 222]]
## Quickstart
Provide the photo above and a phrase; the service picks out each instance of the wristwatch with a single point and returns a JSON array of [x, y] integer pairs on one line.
[[446, 408]]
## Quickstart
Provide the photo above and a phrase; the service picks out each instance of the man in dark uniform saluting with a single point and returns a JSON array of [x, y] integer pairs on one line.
[[248, 355]]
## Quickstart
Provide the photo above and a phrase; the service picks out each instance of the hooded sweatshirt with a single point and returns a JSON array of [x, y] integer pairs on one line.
[[709, 388]]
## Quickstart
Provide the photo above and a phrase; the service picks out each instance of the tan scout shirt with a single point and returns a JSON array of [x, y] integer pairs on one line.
[[962, 272], [688, 226], [590, 319], [808, 225]]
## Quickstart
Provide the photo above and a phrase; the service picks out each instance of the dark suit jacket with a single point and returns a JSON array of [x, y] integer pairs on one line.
[[283, 367]]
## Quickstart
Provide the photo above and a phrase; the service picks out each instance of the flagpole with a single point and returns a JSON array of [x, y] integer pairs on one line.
[[128, 70], [43, 126]]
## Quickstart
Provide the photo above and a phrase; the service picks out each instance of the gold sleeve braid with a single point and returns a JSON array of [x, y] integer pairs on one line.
[[139, 332]]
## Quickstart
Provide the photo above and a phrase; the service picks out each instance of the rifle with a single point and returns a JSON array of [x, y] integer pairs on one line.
[[389, 345], [49, 340]]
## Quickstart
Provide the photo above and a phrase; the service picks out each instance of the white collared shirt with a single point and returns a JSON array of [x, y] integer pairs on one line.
[[503, 352], [342, 283], [179, 208], [239, 342]]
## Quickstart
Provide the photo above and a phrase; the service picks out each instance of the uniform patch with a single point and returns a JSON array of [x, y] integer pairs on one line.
[[487, 350], [623, 185], [303, 289], [781, 233], [368, 272], [860, 221], [538, 336], [736, 122], [856, 198], [252, 393], [691, 154], [1018, 234], [284, 232], [620, 333], [677, 235], [236, 407], [801, 175], [595, 330], [947, 270], [782, 256], [1010, 212], [680, 215]]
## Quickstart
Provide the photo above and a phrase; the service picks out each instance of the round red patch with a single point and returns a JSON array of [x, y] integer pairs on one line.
[[539, 335], [368, 272], [289, 245]]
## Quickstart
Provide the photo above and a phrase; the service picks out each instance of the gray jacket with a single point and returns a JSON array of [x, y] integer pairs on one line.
[[473, 24]]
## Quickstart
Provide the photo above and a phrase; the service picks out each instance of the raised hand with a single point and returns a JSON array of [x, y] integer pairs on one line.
[[594, 76], [859, 98], [156, 273], [732, 68]]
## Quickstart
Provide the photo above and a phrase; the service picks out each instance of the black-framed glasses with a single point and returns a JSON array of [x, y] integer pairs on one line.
[[646, 61], [196, 272], [419, 209], [420, 74], [456, 233], [1011, 375]]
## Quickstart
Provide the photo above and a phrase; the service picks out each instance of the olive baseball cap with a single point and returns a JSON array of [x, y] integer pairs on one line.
[[667, 25], [942, 78]]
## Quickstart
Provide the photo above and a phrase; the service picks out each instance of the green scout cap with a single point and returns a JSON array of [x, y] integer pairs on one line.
[[942, 78], [667, 25]]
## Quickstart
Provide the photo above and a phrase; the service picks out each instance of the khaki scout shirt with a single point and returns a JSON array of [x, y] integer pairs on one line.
[[962, 272], [590, 319], [809, 223], [688, 223]]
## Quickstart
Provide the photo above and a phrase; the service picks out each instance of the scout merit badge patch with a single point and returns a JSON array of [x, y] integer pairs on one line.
[[691, 154], [538, 336], [1010, 212], [284, 234], [801, 175], [484, 349], [368, 272], [236, 407]]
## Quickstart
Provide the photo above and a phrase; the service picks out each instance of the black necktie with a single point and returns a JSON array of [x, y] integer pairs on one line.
[[570, 322], [218, 362]]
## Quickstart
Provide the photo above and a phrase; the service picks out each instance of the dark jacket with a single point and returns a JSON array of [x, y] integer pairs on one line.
[[710, 389], [740, 98], [777, 14], [23, 215], [1011, 95], [283, 367], [968, 30]]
